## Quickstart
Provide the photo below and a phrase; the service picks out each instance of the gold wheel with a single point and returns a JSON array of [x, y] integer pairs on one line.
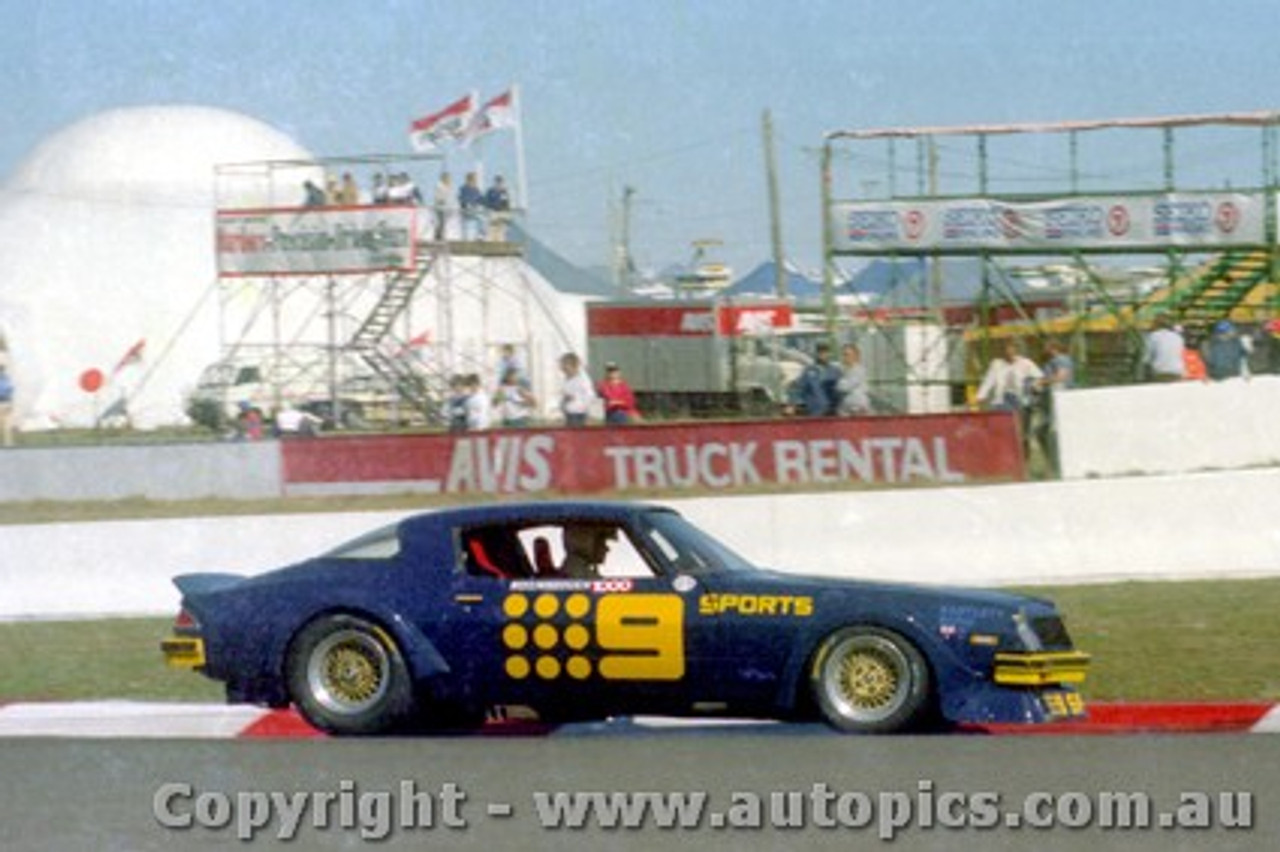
[[869, 680], [348, 671]]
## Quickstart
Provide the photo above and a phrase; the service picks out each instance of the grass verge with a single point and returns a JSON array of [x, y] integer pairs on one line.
[[1180, 641]]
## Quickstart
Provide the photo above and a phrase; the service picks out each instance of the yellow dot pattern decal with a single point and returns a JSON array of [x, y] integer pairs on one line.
[[548, 668], [578, 668], [546, 637], [576, 636], [517, 667], [515, 636], [620, 636]]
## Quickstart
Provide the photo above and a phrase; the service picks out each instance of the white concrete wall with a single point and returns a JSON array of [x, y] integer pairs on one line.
[[236, 471], [1169, 428], [1205, 525]]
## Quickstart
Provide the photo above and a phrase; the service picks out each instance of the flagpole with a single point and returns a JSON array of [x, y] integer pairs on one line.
[[522, 187]]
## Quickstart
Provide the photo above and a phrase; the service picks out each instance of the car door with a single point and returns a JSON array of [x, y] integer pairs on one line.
[[623, 641]]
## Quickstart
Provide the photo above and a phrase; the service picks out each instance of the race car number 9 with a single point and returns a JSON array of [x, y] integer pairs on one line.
[[642, 637]]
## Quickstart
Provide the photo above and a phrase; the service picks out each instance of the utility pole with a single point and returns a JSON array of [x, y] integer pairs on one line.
[[935, 262], [775, 218], [623, 266]]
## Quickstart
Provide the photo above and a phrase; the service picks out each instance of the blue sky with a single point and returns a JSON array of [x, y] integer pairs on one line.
[[663, 95]]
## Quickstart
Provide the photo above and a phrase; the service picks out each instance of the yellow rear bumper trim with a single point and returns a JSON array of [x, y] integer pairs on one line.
[[1045, 668], [183, 652]]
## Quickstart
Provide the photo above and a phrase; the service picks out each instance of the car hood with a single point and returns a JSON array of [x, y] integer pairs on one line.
[[766, 578]]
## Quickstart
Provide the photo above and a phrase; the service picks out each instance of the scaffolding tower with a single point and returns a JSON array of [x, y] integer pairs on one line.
[[364, 311], [1131, 218]]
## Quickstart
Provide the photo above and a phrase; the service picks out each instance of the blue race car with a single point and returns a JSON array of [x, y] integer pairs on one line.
[[584, 610]]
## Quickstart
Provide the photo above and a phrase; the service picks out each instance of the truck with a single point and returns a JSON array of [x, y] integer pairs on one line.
[[701, 357]]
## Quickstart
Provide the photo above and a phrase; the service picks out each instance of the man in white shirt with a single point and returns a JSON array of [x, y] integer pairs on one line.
[[1164, 352], [478, 407], [577, 393], [1009, 379]]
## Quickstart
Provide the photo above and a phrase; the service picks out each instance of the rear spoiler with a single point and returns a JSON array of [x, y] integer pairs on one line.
[[198, 584]]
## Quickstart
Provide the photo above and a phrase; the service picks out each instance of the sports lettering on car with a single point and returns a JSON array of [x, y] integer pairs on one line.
[[788, 605], [636, 636]]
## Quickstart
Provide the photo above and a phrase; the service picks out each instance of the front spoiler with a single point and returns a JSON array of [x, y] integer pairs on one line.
[[1040, 668]]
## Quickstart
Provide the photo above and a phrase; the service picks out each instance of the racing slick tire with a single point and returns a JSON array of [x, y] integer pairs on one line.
[[869, 680], [347, 677]]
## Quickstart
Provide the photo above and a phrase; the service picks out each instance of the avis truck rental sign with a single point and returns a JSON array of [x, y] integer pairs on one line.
[[943, 448]]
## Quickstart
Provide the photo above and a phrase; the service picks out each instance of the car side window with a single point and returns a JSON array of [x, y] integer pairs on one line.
[[585, 550], [383, 543], [493, 552]]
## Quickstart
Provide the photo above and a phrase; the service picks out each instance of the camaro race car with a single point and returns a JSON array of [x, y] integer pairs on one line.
[[575, 611]]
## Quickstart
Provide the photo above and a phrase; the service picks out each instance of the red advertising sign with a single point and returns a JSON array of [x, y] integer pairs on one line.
[[689, 319], [944, 448]]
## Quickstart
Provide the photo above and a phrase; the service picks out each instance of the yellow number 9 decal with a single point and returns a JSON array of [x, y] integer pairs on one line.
[[648, 633]]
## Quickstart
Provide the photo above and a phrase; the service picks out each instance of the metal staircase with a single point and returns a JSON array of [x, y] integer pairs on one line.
[[1212, 291], [403, 374]]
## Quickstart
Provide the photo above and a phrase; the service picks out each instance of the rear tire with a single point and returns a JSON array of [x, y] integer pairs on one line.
[[869, 680], [347, 677]]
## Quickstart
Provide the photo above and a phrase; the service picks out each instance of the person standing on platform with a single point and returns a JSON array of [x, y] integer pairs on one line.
[[576, 393], [471, 203]]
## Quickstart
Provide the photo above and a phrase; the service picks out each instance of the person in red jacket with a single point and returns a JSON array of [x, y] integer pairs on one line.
[[619, 400]]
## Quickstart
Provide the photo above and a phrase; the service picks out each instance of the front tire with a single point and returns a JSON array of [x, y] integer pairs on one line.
[[347, 677], [870, 680]]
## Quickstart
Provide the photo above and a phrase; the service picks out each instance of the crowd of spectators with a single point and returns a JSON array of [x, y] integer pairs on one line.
[[471, 213]]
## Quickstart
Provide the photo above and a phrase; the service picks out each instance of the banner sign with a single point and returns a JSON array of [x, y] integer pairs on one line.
[[1189, 220], [316, 240], [695, 319], [942, 448]]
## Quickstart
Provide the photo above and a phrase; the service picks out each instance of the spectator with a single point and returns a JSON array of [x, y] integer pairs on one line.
[[1059, 367], [409, 189], [498, 202], [619, 400], [1224, 353], [814, 392], [348, 191], [851, 389], [1164, 348], [576, 393], [6, 407], [1009, 380], [471, 202], [378, 192], [332, 191], [477, 405], [313, 196], [292, 422], [443, 205], [1193, 369], [509, 360], [1008, 385], [1059, 374], [513, 400], [248, 422], [456, 405]]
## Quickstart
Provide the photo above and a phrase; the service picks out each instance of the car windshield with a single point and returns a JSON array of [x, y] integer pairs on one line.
[[689, 549]]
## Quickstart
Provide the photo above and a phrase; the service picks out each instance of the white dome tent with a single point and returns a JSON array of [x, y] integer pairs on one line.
[[106, 251], [108, 271]]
